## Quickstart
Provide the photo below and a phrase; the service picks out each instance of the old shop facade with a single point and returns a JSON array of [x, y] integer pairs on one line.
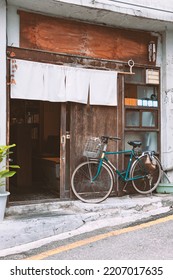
[[50, 126]]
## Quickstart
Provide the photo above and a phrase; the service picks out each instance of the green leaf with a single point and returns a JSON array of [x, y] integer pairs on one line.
[[6, 173]]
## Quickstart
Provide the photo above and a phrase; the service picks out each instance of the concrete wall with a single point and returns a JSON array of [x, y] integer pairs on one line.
[[167, 100], [157, 9], [152, 9], [2, 72], [129, 14], [12, 26], [2, 76]]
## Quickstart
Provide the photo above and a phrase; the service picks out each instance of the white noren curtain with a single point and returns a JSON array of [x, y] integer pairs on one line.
[[49, 82]]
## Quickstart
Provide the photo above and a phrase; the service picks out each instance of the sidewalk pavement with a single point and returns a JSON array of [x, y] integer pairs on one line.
[[30, 226]]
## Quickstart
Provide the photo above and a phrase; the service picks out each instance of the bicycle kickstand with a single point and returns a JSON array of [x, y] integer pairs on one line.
[[124, 188]]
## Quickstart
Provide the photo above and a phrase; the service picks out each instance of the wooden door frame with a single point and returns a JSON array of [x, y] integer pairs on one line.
[[64, 154]]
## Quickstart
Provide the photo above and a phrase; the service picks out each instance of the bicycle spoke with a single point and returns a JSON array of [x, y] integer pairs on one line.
[[146, 176], [89, 185]]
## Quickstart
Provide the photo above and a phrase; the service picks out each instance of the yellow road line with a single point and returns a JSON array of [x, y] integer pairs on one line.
[[97, 238]]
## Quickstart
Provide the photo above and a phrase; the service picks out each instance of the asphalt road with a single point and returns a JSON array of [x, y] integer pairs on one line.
[[147, 240]]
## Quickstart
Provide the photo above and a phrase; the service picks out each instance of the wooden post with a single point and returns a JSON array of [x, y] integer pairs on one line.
[[64, 174]]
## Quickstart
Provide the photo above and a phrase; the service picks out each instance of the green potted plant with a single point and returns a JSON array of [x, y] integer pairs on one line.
[[6, 171]]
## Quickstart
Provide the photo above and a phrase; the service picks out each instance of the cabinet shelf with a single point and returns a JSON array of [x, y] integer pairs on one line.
[[141, 108]]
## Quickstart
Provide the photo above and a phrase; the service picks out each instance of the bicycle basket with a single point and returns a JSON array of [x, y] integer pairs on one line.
[[93, 148]]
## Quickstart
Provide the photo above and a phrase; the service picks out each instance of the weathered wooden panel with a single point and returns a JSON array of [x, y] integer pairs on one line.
[[100, 42], [91, 121], [72, 37], [60, 59]]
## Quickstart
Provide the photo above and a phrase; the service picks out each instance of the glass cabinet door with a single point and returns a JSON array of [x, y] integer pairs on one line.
[[148, 119], [148, 139], [140, 118], [132, 118]]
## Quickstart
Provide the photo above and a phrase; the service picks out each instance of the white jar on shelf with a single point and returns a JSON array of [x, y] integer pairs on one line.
[[29, 118]]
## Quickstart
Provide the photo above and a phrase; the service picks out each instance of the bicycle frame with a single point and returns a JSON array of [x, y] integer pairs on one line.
[[123, 174], [93, 180]]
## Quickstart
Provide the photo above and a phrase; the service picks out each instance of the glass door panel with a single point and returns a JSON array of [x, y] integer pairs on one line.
[[132, 118], [148, 119]]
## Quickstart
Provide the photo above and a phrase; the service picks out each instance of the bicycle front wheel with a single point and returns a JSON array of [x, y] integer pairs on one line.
[[90, 186], [145, 174]]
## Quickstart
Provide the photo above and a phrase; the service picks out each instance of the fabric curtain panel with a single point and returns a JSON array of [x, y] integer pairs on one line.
[[28, 78], [54, 83], [38, 81], [103, 88], [48, 82], [77, 84]]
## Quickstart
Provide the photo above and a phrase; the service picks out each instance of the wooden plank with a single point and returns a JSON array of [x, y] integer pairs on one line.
[[90, 121], [60, 59], [72, 37], [100, 42]]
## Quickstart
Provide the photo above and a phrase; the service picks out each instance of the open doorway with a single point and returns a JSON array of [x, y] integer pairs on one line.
[[35, 129]]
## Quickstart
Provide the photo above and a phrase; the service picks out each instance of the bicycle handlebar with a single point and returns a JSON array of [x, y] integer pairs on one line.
[[105, 139]]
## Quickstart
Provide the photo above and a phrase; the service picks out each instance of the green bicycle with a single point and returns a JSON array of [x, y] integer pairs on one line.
[[92, 181]]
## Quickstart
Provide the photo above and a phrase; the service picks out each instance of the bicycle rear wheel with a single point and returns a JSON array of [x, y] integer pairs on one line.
[[146, 174], [89, 188]]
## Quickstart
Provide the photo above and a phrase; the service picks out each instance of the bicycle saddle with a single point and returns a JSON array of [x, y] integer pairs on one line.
[[135, 143], [106, 138]]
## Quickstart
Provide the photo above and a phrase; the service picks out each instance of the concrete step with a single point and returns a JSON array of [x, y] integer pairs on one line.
[[135, 202]]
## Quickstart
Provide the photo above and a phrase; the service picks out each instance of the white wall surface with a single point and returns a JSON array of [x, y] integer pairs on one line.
[[2, 72], [128, 13], [167, 100], [12, 27]]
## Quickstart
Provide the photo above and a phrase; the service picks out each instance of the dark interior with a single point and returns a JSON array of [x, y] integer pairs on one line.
[[35, 129]]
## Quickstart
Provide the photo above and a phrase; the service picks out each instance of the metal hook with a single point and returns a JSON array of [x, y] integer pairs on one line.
[[131, 64]]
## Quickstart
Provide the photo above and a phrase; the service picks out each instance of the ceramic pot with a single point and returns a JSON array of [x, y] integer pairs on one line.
[[3, 201]]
